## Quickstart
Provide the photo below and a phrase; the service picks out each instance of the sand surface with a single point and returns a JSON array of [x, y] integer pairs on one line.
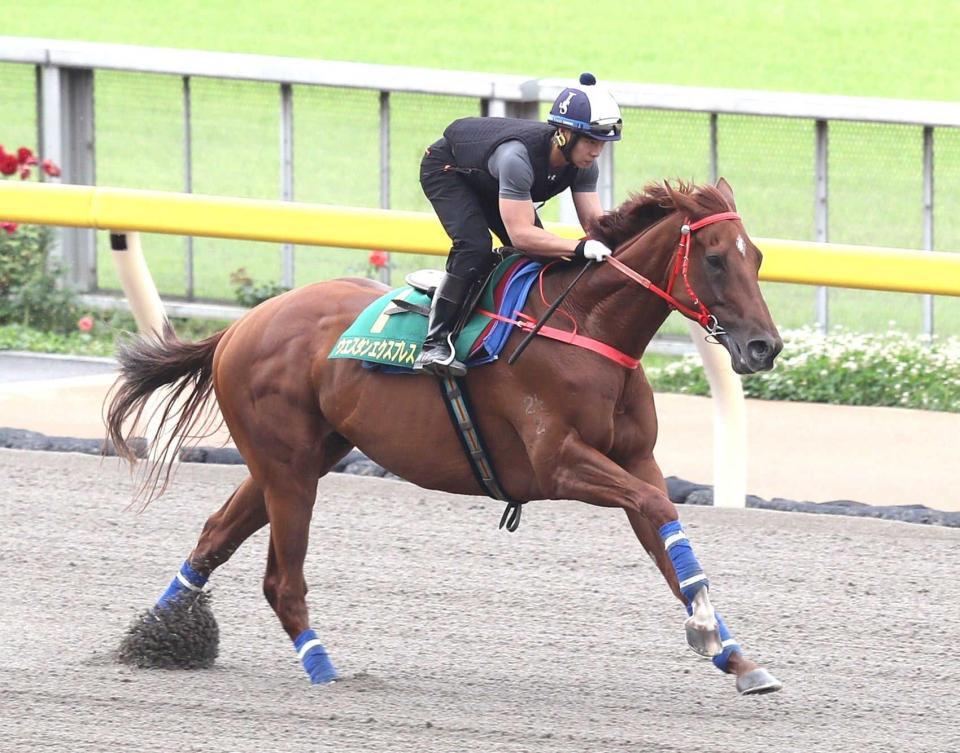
[[454, 636]]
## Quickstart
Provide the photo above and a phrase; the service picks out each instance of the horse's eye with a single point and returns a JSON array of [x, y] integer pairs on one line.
[[715, 261]]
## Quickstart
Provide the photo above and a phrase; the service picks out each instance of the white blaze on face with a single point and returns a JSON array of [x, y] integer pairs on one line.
[[741, 246]]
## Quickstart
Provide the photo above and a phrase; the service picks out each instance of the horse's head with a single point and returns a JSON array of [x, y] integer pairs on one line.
[[722, 272]]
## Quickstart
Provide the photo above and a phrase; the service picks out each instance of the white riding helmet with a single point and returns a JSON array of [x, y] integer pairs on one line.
[[588, 109]]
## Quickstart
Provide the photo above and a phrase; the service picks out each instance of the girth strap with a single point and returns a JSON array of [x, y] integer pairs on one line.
[[455, 397]]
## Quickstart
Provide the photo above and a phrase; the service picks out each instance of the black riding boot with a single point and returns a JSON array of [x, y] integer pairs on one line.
[[449, 312]]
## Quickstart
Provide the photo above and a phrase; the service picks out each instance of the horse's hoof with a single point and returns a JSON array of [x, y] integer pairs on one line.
[[325, 677], [705, 642], [758, 682]]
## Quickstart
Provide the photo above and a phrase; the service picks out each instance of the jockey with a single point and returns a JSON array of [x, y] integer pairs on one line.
[[485, 174]]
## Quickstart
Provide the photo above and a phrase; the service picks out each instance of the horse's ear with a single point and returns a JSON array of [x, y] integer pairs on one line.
[[680, 197], [724, 188]]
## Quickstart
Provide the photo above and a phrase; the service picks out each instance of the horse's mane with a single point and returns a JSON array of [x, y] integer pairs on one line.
[[651, 205]]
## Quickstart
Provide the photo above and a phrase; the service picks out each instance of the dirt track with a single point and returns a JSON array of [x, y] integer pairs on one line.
[[455, 636]]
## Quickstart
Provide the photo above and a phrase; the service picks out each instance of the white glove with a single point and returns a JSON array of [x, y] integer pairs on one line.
[[595, 250]]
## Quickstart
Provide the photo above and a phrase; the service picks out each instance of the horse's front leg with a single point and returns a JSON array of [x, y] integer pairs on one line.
[[751, 677], [578, 471]]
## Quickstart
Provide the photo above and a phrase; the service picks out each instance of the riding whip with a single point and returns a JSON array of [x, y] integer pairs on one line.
[[547, 314]]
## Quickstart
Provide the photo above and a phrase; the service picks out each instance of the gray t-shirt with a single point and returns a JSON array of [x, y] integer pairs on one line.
[[510, 164]]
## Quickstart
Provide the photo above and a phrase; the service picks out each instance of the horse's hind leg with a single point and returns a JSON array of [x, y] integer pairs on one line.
[[180, 630], [242, 515], [751, 678], [281, 493], [285, 586], [290, 494]]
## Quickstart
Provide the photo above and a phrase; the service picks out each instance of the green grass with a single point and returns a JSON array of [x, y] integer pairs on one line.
[[854, 48], [857, 47]]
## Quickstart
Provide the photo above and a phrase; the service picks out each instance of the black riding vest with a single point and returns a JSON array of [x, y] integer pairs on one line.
[[473, 141]]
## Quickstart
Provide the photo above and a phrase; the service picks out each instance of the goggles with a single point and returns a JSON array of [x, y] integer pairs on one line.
[[604, 131]]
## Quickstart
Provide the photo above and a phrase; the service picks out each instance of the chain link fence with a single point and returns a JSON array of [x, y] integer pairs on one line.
[[145, 126]]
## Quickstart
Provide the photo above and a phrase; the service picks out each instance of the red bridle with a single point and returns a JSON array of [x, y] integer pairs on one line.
[[681, 266]]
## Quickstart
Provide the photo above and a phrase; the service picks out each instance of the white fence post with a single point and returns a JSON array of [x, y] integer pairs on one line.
[[729, 423], [141, 292], [137, 283]]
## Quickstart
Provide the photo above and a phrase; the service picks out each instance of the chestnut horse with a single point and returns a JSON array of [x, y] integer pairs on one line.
[[562, 423]]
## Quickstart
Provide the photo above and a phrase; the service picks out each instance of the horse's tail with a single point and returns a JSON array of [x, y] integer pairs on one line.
[[146, 365]]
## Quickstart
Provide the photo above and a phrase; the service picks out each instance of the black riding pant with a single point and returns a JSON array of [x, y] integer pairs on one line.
[[467, 217]]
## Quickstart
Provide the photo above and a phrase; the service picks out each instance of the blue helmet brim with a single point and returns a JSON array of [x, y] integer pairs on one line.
[[585, 129]]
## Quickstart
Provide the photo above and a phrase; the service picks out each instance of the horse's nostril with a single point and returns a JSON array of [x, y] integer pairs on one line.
[[759, 350]]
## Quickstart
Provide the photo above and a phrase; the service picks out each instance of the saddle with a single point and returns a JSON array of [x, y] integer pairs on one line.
[[391, 330], [424, 280], [388, 334]]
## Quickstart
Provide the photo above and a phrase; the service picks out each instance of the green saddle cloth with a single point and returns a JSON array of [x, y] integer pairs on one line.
[[385, 335]]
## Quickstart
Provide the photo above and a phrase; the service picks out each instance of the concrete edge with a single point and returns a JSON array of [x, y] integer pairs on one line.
[[60, 357]]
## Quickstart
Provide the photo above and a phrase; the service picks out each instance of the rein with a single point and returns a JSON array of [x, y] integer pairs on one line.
[[681, 266]]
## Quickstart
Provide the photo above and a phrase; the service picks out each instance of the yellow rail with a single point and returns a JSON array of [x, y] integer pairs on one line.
[[120, 209]]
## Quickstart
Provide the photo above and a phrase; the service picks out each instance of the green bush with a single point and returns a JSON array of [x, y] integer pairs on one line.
[[31, 293], [20, 337], [22, 256], [250, 293], [889, 369], [103, 330]]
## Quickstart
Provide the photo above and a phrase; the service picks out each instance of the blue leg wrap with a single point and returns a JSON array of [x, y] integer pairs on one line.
[[314, 657], [730, 645], [688, 570], [188, 581]]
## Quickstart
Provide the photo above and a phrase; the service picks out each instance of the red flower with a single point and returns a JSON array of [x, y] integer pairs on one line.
[[10, 227], [379, 259], [25, 156], [24, 173], [85, 323], [50, 168], [8, 164]]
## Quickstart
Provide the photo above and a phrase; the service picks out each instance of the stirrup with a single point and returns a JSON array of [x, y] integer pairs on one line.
[[449, 367]]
